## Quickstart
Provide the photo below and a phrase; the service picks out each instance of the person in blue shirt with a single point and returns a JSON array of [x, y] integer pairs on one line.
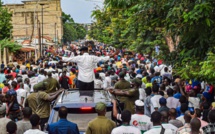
[[182, 100], [177, 94], [2, 65], [63, 126], [2, 76], [157, 79]]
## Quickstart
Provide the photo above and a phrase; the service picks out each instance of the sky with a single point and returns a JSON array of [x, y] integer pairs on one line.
[[80, 10]]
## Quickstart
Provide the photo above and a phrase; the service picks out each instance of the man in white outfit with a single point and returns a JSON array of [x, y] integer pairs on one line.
[[86, 64]]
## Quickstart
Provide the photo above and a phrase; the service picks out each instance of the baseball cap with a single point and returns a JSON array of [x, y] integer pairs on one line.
[[139, 103], [100, 106], [162, 100], [136, 80]]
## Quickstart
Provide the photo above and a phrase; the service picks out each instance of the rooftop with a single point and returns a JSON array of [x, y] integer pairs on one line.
[[23, 1], [34, 0]]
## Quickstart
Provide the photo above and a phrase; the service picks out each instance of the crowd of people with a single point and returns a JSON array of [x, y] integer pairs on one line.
[[148, 96]]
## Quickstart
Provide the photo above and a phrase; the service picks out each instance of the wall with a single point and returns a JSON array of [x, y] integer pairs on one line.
[[25, 18]]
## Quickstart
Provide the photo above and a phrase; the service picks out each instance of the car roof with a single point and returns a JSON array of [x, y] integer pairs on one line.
[[74, 98]]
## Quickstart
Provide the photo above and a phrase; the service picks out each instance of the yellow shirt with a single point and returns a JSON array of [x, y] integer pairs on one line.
[[28, 65], [148, 85], [144, 80], [118, 64]]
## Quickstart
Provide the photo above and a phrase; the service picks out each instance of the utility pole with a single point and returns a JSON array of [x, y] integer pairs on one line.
[[57, 37], [42, 28], [39, 38], [55, 33]]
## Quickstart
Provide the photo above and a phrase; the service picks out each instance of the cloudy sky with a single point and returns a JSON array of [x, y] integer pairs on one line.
[[80, 10]]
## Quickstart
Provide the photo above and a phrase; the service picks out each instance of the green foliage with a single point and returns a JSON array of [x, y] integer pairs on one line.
[[72, 31], [141, 24], [12, 46], [207, 68], [129, 24], [5, 22]]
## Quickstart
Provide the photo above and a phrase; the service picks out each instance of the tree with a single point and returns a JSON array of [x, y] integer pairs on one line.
[[185, 26], [72, 31], [5, 22], [7, 43]]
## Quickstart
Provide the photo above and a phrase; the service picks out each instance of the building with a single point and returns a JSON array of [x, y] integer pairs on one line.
[[27, 15]]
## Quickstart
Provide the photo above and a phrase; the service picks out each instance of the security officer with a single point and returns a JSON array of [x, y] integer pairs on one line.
[[129, 95], [101, 124]]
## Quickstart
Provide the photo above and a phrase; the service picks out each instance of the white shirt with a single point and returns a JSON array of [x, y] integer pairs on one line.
[[102, 75], [193, 102], [142, 93], [41, 78], [142, 122], [98, 84], [170, 126], [34, 131], [155, 102], [86, 64], [21, 93], [3, 123], [27, 88], [49, 70], [55, 76], [107, 82], [127, 77], [181, 118], [10, 81], [157, 69], [172, 102], [157, 130], [24, 76], [33, 81], [161, 68], [126, 130]]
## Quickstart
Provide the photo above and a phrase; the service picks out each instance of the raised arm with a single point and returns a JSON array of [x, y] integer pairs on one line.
[[54, 96], [97, 59], [68, 59], [121, 92]]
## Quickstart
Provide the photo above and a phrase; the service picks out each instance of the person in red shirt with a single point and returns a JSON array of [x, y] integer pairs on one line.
[[64, 81], [13, 73]]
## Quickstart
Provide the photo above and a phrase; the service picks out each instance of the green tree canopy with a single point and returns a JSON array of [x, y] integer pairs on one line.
[[7, 43], [5, 22], [185, 25], [72, 31]]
